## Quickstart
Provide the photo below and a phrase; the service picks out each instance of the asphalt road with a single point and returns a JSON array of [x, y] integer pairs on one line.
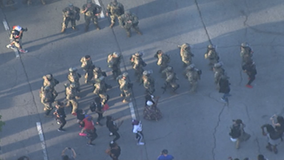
[[194, 126]]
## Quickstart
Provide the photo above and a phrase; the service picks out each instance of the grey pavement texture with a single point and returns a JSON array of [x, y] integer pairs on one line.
[[194, 126]]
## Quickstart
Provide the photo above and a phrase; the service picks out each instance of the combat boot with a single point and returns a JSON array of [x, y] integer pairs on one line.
[[237, 144], [97, 27], [43, 2], [74, 28], [139, 32], [63, 30], [128, 34], [86, 28], [111, 25]]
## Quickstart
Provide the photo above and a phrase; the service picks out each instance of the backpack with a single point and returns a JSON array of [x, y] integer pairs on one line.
[[235, 132], [94, 106]]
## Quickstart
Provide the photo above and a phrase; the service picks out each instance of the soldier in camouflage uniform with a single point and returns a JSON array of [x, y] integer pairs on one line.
[[185, 53], [148, 82], [91, 12], [212, 55], [125, 87], [163, 60], [246, 53], [48, 80], [218, 73], [113, 61], [88, 66], [170, 79], [46, 98], [137, 64], [98, 73], [114, 9], [70, 14], [128, 21], [193, 75], [74, 77], [100, 90], [71, 97]]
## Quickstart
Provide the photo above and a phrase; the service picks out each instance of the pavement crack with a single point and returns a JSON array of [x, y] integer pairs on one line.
[[202, 21], [215, 130]]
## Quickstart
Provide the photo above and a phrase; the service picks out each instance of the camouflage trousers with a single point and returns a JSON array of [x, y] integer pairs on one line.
[[104, 98], [66, 21], [126, 94], [88, 76], [186, 62], [88, 20], [116, 72], [73, 103], [112, 18], [212, 61], [135, 27], [150, 90], [138, 73], [193, 86]]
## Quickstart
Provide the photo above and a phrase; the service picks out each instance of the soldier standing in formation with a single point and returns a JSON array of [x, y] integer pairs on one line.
[[114, 10], [163, 60], [246, 53], [71, 97], [170, 79], [250, 69], [218, 72], [193, 75], [128, 21], [70, 14], [148, 82], [137, 64], [74, 77], [125, 87], [88, 66], [113, 61], [100, 90], [99, 76], [186, 55], [91, 12], [212, 55], [48, 80], [46, 98]]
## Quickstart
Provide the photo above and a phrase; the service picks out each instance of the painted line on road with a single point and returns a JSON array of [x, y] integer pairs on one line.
[[132, 110], [40, 134], [102, 15], [6, 26]]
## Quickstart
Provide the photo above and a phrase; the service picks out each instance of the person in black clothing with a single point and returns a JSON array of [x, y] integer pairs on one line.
[[112, 128], [60, 115], [114, 150], [80, 116], [250, 69], [224, 87], [92, 135], [96, 106]]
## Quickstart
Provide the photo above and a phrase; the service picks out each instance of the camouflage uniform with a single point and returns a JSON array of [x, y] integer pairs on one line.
[[185, 53], [88, 66], [137, 64], [74, 77], [46, 98], [128, 21], [91, 12], [99, 75], [163, 60], [246, 53], [71, 96], [125, 87], [113, 61], [100, 90], [51, 82], [193, 75], [170, 79], [114, 9], [218, 73], [148, 82], [70, 14], [212, 55]]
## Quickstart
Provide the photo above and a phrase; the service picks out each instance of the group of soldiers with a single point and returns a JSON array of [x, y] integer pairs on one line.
[[92, 11]]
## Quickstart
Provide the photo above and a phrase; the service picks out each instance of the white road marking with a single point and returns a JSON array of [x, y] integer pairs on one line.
[[5, 25], [40, 134], [102, 15], [132, 110]]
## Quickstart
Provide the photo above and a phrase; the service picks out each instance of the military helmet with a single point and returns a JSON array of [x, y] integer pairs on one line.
[[245, 44], [169, 68], [96, 69], [145, 73], [210, 46], [48, 76], [46, 88], [71, 5], [127, 12], [87, 56], [72, 85], [117, 54], [89, 1], [219, 64], [159, 51], [125, 74], [190, 66], [185, 45], [72, 69]]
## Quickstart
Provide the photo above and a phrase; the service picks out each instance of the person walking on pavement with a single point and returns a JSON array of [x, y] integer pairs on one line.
[[128, 21], [165, 156], [71, 97], [278, 124], [218, 72], [88, 66], [125, 87], [114, 10], [74, 78], [91, 12], [96, 106], [16, 38], [60, 115], [238, 133], [246, 53], [112, 127], [114, 150], [250, 69], [170, 79], [224, 87], [49, 80], [193, 76], [148, 82], [274, 137], [70, 14], [162, 60], [46, 98], [211, 55], [185, 54], [113, 61], [137, 129], [137, 64]]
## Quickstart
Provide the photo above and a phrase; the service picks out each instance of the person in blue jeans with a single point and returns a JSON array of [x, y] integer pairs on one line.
[[165, 156]]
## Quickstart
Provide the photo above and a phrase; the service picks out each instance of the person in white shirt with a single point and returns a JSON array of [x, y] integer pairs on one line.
[[137, 129]]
